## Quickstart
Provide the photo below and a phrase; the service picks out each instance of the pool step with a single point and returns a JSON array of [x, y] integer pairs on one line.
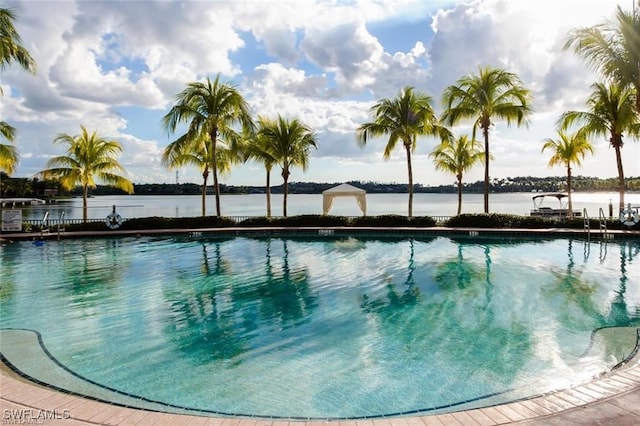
[[24, 352]]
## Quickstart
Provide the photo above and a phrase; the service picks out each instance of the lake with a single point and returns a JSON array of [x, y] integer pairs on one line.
[[135, 206]]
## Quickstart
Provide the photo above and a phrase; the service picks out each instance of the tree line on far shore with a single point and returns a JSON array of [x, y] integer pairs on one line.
[[24, 187]]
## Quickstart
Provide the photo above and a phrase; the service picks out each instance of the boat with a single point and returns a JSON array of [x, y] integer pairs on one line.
[[542, 210]]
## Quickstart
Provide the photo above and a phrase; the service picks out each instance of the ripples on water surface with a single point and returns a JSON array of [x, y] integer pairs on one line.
[[315, 327]]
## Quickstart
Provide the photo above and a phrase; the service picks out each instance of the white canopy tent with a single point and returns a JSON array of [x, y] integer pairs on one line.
[[344, 190]]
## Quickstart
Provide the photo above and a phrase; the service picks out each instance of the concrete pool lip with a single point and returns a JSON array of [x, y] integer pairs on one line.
[[592, 235], [613, 398]]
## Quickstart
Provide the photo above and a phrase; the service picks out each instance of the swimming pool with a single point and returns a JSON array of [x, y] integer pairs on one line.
[[332, 327]]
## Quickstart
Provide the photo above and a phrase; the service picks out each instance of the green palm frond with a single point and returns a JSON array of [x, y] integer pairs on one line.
[[492, 93], [7, 131], [612, 48], [89, 159], [403, 119], [88, 156], [288, 142], [258, 147], [8, 158], [216, 114], [611, 113], [567, 149], [11, 48], [9, 155], [457, 156]]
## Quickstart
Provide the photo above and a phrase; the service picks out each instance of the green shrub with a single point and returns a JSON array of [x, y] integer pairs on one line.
[[532, 222], [90, 226], [393, 221], [155, 222], [257, 221], [423, 221], [311, 220], [203, 222], [476, 221], [493, 220], [616, 224], [496, 220], [380, 221]]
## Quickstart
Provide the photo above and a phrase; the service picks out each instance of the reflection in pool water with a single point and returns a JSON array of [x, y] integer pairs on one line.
[[325, 328]]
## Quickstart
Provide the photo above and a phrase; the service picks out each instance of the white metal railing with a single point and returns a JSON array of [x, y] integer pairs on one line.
[[602, 223], [586, 223], [63, 221], [44, 226], [60, 224]]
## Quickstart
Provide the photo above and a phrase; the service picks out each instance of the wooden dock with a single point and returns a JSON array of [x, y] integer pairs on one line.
[[13, 202]]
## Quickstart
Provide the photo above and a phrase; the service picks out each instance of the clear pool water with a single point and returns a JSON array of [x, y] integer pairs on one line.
[[326, 327]]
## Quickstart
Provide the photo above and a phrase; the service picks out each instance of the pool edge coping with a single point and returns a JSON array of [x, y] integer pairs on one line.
[[595, 235], [19, 395], [101, 393]]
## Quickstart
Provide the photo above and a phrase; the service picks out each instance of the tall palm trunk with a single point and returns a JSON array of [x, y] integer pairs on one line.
[[570, 212], [459, 177], [214, 169], [205, 177], [85, 194], [268, 192], [616, 141], [285, 177], [407, 147], [485, 133]]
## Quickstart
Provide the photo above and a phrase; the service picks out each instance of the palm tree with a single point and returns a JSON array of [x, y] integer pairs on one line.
[[8, 153], [493, 92], [289, 141], [568, 149], [258, 149], [612, 48], [210, 108], [89, 157], [456, 157], [610, 112], [183, 152], [11, 50], [403, 118]]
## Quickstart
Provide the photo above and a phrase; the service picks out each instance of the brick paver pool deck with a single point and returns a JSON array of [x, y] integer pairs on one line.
[[612, 400]]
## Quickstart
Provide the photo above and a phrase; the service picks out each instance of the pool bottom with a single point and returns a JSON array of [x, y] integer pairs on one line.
[[42, 368]]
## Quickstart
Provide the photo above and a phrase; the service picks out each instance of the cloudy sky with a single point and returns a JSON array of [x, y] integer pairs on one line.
[[115, 66]]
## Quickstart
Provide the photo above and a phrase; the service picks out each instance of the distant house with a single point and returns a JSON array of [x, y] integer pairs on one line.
[[50, 192]]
